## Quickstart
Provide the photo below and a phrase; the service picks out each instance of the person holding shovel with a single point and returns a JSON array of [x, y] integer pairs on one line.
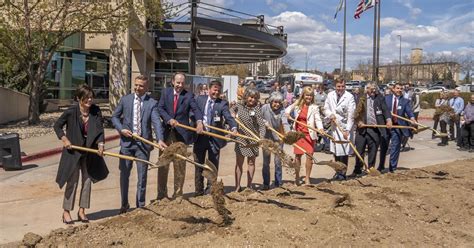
[[83, 121], [135, 114], [399, 106], [274, 117], [175, 106], [306, 112], [371, 110], [249, 114], [215, 113], [339, 108]]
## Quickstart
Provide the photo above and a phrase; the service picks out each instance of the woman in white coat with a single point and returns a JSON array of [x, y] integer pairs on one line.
[[339, 107], [304, 110]]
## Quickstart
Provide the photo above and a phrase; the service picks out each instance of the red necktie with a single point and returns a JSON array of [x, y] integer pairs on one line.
[[175, 103], [394, 109]]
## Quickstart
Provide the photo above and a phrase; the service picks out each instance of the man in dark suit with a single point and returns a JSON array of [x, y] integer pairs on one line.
[[215, 113], [400, 106], [374, 112], [174, 107], [135, 113]]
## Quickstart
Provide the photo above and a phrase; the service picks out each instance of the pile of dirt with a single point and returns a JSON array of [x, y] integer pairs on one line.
[[433, 206]]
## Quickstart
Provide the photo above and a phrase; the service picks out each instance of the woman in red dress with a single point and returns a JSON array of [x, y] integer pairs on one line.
[[307, 112]]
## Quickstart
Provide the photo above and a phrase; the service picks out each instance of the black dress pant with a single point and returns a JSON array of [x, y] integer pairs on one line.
[[369, 138], [443, 125], [200, 151], [468, 135]]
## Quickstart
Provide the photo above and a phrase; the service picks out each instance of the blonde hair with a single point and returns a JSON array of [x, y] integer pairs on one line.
[[306, 91]]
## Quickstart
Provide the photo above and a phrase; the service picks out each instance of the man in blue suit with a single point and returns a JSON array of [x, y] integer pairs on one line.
[[135, 113], [400, 106], [215, 113], [174, 107]]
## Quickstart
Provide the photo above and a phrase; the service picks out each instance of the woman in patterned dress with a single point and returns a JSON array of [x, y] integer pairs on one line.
[[307, 112], [250, 114]]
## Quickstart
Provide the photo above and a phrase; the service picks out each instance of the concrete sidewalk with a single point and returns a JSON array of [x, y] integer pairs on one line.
[[31, 201]]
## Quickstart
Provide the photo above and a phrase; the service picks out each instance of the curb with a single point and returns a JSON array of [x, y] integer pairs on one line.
[[54, 151]]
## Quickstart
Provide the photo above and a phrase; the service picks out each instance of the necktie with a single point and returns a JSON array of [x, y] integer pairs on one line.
[[338, 98], [138, 120], [209, 111], [370, 112], [394, 109], [175, 102]]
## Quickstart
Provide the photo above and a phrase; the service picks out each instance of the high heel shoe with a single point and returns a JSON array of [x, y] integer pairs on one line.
[[85, 220], [67, 222]]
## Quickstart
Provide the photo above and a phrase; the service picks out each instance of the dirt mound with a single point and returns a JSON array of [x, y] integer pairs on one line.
[[433, 206]]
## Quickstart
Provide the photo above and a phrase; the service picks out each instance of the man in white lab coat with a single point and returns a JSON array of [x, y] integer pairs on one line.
[[339, 107]]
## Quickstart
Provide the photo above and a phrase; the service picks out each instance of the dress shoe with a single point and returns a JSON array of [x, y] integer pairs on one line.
[[124, 209], [70, 222], [266, 187], [355, 174], [442, 144], [200, 193], [83, 220], [463, 149]]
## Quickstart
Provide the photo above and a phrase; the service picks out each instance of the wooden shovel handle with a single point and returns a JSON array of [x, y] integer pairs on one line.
[[229, 132], [209, 133], [385, 126], [280, 135], [421, 125], [312, 128], [138, 137], [246, 128], [366, 168], [85, 149]]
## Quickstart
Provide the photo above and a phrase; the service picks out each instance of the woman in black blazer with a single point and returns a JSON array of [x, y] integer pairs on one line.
[[84, 127]]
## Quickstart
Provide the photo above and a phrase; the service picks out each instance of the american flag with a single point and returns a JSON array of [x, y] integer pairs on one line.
[[363, 6]]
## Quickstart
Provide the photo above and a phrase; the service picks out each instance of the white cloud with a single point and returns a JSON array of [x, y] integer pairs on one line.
[[414, 12], [391, 22]]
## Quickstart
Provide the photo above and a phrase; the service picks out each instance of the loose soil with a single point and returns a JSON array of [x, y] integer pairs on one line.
[[433, 206]]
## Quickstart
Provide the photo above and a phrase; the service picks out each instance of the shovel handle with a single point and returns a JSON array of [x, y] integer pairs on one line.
[[312, 128], [138, 137], [246, 128], [209, 133], [385, 126], [353, 148], [421, 125], [229, 132], [280, 135], [111, 154]]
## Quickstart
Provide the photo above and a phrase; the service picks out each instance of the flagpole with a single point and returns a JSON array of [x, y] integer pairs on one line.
[[374, 50], [378, 39], [344, 45]]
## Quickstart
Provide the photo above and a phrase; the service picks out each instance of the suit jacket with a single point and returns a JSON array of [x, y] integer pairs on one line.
[[220, 110], [381, 111], [122, 118], [96, 166], [186, 104], [403, 109]]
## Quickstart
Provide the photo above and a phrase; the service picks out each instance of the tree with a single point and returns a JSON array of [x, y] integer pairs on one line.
[[216, 71], [467, 78], [32, 30], [263, 69]]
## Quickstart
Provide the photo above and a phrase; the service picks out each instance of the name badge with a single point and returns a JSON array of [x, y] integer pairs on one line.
[[399, 107], [252, 113], [217, 118], [378, 112]]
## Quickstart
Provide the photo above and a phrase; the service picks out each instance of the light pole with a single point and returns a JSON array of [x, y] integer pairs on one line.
[[340, 61], [400, 61]]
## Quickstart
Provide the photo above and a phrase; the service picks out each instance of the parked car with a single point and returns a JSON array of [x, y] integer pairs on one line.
[[419, 89], [434, 89], [350, 85]]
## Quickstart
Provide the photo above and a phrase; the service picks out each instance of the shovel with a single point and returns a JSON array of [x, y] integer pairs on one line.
[[85, 149], [231, 133], [320, 132], [385, 126], [423, 127], [206, 166], [366, 168], [209, 134]]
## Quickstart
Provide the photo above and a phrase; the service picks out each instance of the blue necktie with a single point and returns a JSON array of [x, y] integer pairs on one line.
[[209, 111]]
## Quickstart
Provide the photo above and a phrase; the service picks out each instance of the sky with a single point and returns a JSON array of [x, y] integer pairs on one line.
[[436, 26]]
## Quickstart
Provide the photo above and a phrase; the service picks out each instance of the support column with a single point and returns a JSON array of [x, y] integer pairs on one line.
[[138, 64], [119, 64]]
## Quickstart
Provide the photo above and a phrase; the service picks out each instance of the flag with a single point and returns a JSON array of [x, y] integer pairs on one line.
[[363, 6], [339, 7]]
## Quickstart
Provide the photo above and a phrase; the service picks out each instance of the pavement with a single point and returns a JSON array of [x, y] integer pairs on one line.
[[31, 201]]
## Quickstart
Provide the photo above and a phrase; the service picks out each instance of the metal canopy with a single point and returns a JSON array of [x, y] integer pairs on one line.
[[220, 42]]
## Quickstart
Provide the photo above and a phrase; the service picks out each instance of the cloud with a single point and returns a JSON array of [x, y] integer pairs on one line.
[[391, 22], [414, 12]]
